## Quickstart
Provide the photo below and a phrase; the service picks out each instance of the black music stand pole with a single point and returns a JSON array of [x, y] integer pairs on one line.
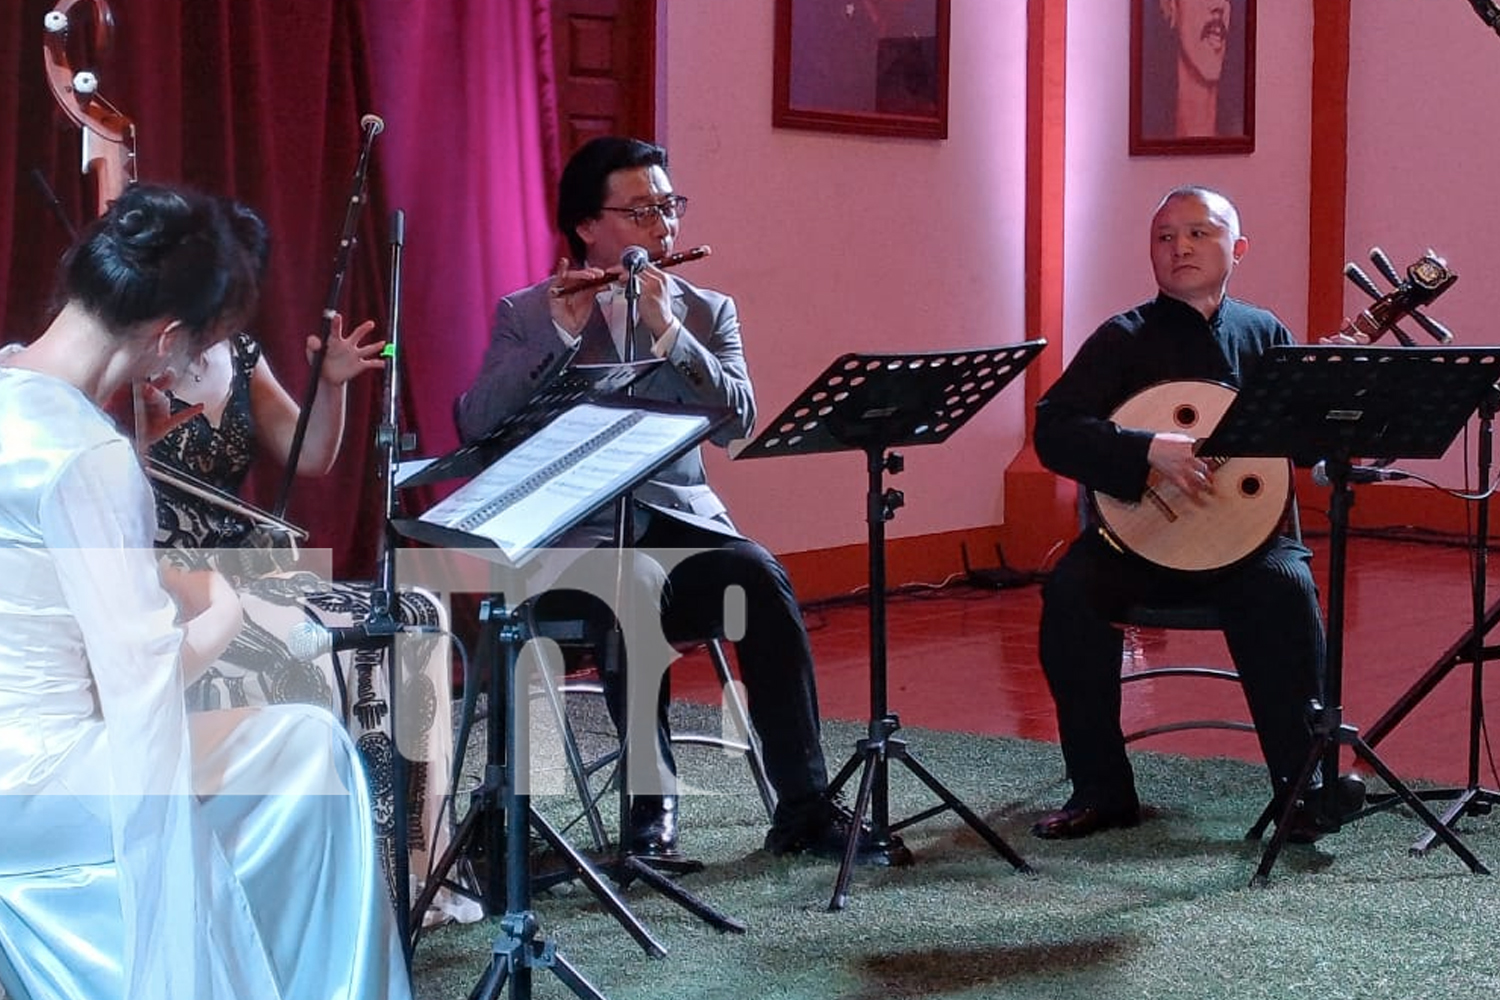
[[483, 832], [518, 949], [1333, 403], [1473, 798], [872, 403]]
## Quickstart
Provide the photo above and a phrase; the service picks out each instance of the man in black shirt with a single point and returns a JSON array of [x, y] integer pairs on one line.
[[1268, 602]]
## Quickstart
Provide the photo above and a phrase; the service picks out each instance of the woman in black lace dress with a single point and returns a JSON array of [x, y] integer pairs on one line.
[[211, 423]]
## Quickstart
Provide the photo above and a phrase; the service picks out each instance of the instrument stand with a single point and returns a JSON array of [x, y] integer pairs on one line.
[[872, 403], [1329, 730], [1333, 402], [518, 949], [1473, 798], [597, 465], [485, 833]]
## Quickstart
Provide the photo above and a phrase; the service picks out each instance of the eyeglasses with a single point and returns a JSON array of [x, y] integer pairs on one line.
[[669, 209]]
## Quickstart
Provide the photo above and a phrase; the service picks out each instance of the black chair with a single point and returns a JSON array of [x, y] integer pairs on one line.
[[1180, 617], [581, 630]]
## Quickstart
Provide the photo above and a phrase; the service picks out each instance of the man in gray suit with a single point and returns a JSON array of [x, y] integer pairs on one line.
[[615, 195]]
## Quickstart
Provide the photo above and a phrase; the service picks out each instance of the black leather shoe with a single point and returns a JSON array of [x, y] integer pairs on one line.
[[653, 826], [827, 836], [1310, 822], [1081, 819]]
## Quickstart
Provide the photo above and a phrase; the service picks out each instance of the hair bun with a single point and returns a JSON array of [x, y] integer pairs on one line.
[[136, 226]]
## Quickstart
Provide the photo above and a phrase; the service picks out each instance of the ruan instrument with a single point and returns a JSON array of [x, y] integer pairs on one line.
[[1249, 498], [661, 260]]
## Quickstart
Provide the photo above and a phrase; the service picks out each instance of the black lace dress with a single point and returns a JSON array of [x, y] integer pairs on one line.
[[277, 594], [219, 455]]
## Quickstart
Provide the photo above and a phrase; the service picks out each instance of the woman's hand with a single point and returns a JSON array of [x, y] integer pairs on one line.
[[154, 418], [209, 613], [349, 355]]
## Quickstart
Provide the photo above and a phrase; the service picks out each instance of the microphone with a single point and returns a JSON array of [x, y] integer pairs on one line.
[[1486, 9], [633, 259], [374, 124], [310, 640], [1358, 474]]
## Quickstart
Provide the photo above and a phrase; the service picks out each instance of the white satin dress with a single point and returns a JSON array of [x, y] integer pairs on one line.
[[146, 853]]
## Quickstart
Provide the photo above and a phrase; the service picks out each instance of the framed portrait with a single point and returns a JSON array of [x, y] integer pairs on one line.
[[1192, 77], [869, 67]]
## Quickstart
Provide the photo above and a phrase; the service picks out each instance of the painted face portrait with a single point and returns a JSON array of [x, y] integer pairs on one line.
[[1202, 30]]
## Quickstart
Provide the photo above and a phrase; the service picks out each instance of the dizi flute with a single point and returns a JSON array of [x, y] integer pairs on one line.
[[664, 260]]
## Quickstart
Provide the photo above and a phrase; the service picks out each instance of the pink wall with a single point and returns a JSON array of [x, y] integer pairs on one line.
[[835, 243], [1424, 154], [1111, 195]]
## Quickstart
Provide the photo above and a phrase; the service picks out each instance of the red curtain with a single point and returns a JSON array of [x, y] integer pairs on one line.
[[262, 101]]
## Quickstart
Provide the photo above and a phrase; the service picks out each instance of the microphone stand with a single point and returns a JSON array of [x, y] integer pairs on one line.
[[1473, 797], [381, 620], [626, 866], [372, 127]]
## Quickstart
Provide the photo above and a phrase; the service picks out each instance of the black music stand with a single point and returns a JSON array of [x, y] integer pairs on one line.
[[870, 403], [517, 948], [571, 385], [1470, 648], [1335, 403]]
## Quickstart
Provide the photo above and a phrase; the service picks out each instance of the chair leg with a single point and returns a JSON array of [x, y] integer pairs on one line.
[[577, 769], [739, 715]]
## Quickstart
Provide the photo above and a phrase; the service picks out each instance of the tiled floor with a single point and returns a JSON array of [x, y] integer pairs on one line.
[[965, 660]]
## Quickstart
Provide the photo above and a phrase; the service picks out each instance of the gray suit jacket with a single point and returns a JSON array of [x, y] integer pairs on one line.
[[706, 366]]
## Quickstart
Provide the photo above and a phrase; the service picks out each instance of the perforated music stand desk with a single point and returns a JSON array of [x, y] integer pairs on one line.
[[872, 402], [1334, 403]]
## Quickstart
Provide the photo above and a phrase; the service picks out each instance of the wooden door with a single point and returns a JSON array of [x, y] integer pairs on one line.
[[604, 54]]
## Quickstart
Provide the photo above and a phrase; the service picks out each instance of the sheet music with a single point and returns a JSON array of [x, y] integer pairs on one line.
[[411, 468], [557, 475]]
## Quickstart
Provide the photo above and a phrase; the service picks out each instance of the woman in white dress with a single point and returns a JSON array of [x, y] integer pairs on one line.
[[238, 843]]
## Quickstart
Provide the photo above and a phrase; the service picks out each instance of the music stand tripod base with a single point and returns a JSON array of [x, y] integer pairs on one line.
[[1472, 798], [1331, 403], [871, 403], [518, 949]]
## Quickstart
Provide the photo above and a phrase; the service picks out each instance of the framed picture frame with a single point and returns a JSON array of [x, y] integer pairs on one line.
[[865, 67], [1192, 77]]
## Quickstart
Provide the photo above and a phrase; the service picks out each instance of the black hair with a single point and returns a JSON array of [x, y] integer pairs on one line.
[[162, 252], [581, 189], [251, 232]]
